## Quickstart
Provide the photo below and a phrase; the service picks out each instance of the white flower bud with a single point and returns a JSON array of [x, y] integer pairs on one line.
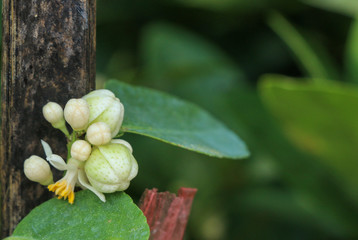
[[105, 107], [77, 114], [81, 150], [53, 113], [38, 170], [111, 167], [99, 133], [125, 143]]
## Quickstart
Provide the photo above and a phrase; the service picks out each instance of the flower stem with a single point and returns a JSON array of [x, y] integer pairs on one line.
[[70, 141], [65, 131]]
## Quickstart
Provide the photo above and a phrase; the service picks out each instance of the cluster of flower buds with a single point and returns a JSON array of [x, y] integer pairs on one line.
[[96, 161]]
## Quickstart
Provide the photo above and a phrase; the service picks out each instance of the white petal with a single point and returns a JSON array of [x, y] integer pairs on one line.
[[119, 164], [113, 116], [47, 148], [98, 105], [83, 181], [57, 162], [134, 170], [125, 143], [119, 123], [100, 93]]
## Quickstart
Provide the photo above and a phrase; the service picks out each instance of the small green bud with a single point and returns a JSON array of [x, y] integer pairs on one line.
[[111, 167], [77, 114], [81, 150], [105, 107], [38, 170]]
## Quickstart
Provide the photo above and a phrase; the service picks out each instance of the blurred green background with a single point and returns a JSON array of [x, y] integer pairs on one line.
[[299, 122]]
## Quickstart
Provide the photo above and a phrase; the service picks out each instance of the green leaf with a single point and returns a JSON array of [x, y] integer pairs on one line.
[[163, 117], [316, 66], [87, 218], [352, 53], [319, 118], [346, 7], [18, 238]]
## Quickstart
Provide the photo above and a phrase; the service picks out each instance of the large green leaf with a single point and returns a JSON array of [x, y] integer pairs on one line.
[[88, 218], [163, 117], [319, 118]]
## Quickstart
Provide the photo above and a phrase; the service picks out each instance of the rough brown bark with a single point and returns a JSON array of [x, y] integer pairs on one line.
[[48, 55]]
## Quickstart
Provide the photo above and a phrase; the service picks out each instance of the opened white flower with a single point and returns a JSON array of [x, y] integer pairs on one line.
[[75, 175]]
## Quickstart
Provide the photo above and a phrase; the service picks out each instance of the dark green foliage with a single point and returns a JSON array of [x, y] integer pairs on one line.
[[212, 53]]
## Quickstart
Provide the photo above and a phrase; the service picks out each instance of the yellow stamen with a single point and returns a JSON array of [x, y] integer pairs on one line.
[[60, 188], [71, 197], [63, 190], [52, 187]]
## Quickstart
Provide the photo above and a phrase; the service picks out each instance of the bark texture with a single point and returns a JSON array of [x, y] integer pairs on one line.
[[48, 55]]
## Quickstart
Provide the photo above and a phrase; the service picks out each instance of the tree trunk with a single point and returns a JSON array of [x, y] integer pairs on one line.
[[48, 55]]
